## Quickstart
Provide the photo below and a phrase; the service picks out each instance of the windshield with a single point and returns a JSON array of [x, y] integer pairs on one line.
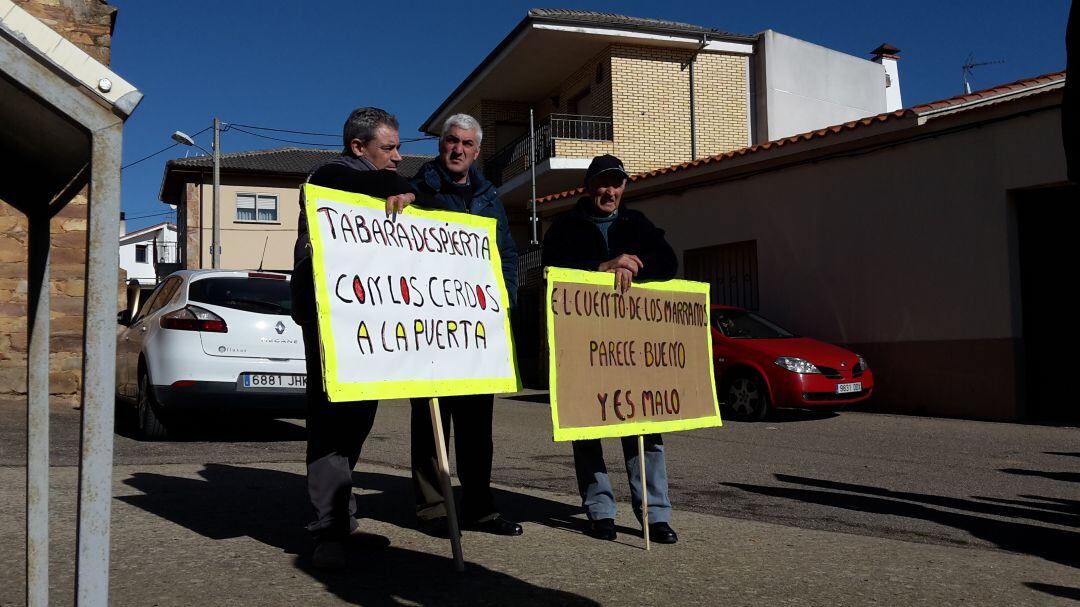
[[740, 324], [261, 295]]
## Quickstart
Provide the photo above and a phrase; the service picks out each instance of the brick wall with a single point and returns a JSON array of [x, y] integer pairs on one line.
[[651, 105], [88, 25], [580, 148]]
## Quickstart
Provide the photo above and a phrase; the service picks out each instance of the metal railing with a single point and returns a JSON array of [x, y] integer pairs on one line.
[[167, 252], [551, 128]]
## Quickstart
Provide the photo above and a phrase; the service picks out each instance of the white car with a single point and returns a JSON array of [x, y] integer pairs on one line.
[[211, 339]]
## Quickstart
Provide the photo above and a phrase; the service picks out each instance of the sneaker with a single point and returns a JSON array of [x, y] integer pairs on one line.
[[329, 554], [603, 529]]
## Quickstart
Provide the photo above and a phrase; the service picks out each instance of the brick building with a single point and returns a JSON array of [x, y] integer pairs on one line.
[[88, 24], [651, 91]]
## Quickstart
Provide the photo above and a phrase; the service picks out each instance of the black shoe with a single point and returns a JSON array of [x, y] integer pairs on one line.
[[435, 527], [603, 529], [495, 526], [662, 533]]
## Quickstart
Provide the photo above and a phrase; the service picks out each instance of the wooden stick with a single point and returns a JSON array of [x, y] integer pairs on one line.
[[644, 490], [447, 488]]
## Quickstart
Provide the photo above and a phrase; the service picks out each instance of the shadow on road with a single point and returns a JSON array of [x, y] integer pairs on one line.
[[222, 429], [1057, 545], [1061, 591], [1068, 477], [1064, 453], [271, 506]]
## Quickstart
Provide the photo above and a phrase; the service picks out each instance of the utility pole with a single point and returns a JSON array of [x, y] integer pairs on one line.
[[532, 167], [215, 244]]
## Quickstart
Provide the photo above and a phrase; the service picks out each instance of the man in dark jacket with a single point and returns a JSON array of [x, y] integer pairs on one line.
[[336, 431], [598, 235], [453, 180]]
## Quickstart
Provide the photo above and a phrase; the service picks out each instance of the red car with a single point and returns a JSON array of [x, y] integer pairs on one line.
[[761, 366]]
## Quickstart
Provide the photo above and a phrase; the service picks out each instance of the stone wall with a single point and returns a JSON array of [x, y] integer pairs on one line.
[[87, 24]]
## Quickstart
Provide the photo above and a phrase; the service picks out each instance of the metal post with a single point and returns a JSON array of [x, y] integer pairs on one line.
[[532, 167], [37, 414], [215, 253], [99, 359]]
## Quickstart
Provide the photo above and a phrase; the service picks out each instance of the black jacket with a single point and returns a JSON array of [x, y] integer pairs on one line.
[[574, 241], [349, 175], [432, 181]]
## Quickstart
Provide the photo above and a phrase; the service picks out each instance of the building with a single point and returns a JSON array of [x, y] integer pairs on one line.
[[49, 151], [653, 92], [927, 239], [259, 204], [149, 253]]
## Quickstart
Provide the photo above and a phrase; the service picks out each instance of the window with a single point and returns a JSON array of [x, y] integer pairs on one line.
[[262, 295], [161, 296], [140, 253], [731, 270], [256, 207]]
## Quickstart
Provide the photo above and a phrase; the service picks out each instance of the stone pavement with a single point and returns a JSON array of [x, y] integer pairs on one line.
[[222, 533]]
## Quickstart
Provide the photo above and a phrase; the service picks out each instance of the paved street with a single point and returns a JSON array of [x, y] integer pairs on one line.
[[855, 508]]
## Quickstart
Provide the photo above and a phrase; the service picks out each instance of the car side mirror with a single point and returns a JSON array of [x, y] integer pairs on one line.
[[123, 317]]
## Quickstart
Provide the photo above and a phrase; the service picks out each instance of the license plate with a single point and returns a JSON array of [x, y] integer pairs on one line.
[[272, 381], [849, 388]]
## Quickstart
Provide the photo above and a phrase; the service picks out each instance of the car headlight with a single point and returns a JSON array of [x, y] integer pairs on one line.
[[861, 366], [796, 365]]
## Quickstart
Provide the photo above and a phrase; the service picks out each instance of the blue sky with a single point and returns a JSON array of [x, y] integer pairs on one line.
[[304, 65]]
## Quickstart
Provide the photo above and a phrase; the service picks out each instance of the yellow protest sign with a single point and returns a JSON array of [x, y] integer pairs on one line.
[[412, 307], [626, 364]]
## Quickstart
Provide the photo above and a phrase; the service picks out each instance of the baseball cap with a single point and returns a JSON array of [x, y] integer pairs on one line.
[[604, 164]]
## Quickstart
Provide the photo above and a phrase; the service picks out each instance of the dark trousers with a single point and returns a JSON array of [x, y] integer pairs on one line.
[[336, 433], [471, 417]]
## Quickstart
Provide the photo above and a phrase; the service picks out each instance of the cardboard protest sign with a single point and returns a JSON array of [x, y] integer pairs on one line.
[[412, 307], [628, 364]]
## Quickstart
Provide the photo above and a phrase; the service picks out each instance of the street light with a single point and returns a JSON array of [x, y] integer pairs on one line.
[[183, 139]]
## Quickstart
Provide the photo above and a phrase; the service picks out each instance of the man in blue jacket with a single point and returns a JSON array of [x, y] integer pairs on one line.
[[454, 181]]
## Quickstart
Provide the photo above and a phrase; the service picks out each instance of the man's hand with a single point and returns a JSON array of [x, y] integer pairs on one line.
[[630, 263], [397, 203], [623, 278]]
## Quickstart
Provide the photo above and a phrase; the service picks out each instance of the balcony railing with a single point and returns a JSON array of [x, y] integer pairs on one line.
[[513, 159], [166, 252]]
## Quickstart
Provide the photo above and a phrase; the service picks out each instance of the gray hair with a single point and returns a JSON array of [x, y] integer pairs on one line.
[[362, 124], [463, 121]]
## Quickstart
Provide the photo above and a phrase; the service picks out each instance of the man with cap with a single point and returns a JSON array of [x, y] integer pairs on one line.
[[598, 235]]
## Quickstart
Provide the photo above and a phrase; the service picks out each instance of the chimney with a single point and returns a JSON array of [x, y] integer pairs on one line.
[[888, 56], [123, 224]]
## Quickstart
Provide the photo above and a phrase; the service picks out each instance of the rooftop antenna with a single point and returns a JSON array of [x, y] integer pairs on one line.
[[969, 70]]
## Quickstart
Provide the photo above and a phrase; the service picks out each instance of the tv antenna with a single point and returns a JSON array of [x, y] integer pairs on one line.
[[969, 70]]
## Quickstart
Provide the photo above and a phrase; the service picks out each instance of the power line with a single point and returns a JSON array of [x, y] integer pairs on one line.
[[266, 128], [150, 215], [311, 143]]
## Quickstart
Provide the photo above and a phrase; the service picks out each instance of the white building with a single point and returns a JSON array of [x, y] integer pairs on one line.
[[143, 250]]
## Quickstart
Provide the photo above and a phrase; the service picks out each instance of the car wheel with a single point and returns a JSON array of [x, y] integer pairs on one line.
[[148, 418], [746, 397]]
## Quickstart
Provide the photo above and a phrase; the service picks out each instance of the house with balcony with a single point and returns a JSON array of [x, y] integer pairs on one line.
[[149, 253], [653, 92]]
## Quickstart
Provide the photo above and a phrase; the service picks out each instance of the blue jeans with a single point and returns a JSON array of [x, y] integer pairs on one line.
[[595, 486]]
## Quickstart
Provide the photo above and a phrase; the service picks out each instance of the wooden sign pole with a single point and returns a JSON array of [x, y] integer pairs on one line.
[[447, 488], [644, 489]]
